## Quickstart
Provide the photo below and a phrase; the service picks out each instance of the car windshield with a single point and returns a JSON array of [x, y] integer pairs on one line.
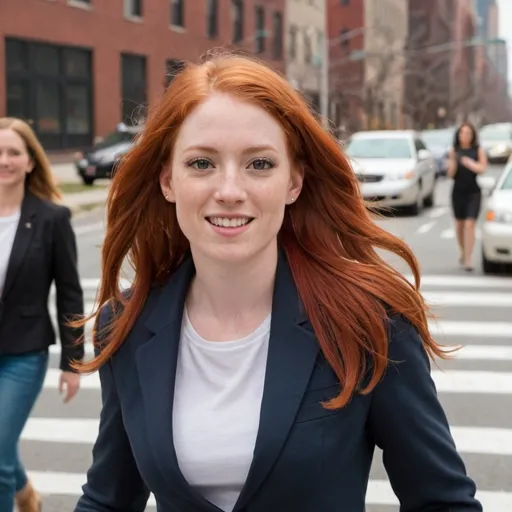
[[498, 133], [115, 138], [437, 138], [507, 182], [379, 148]]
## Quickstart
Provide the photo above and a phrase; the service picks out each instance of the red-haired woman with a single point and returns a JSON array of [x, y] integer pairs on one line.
[[264, 348]]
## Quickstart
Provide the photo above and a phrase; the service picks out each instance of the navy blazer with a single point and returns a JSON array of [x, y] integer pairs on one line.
[[306, 458]]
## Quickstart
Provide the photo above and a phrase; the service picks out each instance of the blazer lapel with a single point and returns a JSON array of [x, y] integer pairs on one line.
[[293, 350], [292, 355], [22, 240], [156, 362]]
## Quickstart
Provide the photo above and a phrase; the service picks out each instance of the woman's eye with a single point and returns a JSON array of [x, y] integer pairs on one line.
[[201, 164], [261, 164]]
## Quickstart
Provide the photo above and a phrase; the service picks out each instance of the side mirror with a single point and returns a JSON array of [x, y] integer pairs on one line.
[[424, 154]]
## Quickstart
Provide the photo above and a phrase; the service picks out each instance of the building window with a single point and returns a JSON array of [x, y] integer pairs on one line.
[[238, 20], [50, 86], [292, 51], [308, 50], [178, 13], [172, 68], [133, 88], [259, 18], [278, 35], [345, 2], [212, 19], [133, 8]]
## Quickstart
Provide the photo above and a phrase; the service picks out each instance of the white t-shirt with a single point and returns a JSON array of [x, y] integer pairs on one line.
[[8, 227], [217, 401]]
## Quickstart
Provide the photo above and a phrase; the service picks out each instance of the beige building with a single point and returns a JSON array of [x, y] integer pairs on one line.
[[306, 55], [385, 39]]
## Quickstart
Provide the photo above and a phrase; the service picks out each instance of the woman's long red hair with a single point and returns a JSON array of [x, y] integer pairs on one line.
[[328, 235]]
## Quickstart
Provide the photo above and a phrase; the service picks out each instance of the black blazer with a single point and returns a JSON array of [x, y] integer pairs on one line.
[[306, 458], [44, 251]]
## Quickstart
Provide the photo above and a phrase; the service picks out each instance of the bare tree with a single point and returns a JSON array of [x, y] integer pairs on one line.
[[364, 84]]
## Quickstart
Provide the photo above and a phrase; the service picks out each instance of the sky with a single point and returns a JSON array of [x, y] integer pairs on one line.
[[505, 29]]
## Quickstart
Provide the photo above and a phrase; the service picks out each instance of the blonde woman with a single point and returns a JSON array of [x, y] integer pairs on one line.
[[37, 248]]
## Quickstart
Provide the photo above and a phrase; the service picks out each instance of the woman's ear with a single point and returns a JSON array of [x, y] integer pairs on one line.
[[166, 183]]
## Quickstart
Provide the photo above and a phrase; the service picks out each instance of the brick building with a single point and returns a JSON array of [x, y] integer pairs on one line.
[[76, 68], [305, 43], [346, 32]]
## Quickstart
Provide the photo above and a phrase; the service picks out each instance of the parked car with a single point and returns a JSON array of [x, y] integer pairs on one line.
[[439, 141], [497, 224], [100, 160], [394, 168], [496, 140]]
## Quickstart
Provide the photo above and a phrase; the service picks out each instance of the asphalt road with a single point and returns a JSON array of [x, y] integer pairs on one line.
[[475, 388]]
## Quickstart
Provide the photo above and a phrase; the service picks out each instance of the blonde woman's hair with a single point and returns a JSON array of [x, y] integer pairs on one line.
[[40, 181]]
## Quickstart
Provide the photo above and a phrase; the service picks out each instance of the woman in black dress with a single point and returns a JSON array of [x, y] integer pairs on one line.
[[466, 161]]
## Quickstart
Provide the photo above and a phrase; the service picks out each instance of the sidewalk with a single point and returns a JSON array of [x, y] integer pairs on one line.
[[85, 201], [79, 201]]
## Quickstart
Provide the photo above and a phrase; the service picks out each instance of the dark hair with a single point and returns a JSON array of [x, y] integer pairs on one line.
[[328, 235], [474, 140]]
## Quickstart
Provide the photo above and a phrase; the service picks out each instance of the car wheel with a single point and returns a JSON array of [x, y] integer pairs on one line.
[[416, 208], [429, 200], [88, 180], [489, 267]]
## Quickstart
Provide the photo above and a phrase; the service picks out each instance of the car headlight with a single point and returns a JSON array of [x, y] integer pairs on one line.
[[408, 175], [504, 217]]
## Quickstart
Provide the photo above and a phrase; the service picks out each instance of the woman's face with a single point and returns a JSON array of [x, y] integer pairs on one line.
[[231, 178], [465, 135], [15, 162]]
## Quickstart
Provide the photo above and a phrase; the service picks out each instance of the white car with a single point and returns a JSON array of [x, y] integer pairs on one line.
[[497, 224], [394, 168]]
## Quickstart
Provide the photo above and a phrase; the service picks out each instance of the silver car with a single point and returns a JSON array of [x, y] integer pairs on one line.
[[496, 139], [394, 168]]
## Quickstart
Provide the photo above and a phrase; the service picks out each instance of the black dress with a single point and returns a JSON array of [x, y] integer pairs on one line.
[[466, 193]]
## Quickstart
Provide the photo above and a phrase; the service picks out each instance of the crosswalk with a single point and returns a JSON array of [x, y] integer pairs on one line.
[[475, 389]]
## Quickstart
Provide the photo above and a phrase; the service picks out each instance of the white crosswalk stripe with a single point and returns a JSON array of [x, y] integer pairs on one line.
[[475, 388]]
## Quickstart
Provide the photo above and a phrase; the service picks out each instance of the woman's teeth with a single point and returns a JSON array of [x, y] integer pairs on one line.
[[228, 223]]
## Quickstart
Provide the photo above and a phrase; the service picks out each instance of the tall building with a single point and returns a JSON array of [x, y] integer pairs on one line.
[[427, 99], [76, 68], [346, 30], [305, 39], [387, 28]]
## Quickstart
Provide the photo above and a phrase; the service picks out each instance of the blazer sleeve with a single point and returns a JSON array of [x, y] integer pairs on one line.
[[408, 423], [114, 483], [69, 296]]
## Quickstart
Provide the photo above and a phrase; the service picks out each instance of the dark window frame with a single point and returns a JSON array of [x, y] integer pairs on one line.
[[277, 29], [134, 95], [29, 77], [212, 19], [172, 68], [259, 29], [238, 20], [178, 13]]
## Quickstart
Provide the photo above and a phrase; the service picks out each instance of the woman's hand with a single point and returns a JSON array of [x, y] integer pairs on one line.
[[70, 381], [468, 162]]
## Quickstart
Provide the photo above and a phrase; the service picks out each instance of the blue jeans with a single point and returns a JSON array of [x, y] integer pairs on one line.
[[21, 380]]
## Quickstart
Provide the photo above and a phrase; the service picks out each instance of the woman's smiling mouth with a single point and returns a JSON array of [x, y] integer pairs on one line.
[[229, 222]]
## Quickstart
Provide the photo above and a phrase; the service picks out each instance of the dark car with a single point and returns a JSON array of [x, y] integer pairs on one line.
[[439, 142], [99, 161]]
